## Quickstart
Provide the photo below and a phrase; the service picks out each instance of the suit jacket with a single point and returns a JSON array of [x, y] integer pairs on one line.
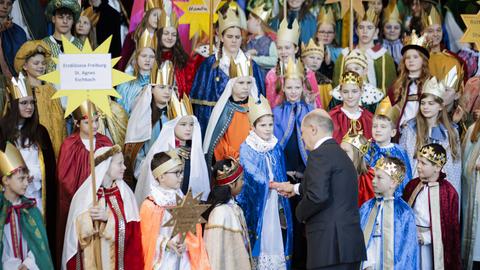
[[329, 208]]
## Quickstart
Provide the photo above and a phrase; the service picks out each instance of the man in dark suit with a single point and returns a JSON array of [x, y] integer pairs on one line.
[[329, 199]]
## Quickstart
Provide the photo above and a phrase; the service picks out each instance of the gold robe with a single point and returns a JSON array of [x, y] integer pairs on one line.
[[440, 63]]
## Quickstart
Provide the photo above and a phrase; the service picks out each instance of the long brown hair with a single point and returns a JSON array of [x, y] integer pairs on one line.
[[475, 131], [442, 118], [142, 25], [180, 57], [401, 83]]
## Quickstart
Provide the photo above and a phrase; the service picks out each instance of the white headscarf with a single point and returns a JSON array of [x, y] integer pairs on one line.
[[138, 129], [199, 179], [82, 201], [220, 105]]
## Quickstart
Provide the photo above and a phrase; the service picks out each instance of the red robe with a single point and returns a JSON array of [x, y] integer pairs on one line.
[[128, 242], [341, 123], [72, 170], [184, 76], [365, 186], [450, 225]]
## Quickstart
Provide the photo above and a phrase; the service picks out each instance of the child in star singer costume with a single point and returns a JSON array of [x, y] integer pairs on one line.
[[226, 233], [161, 249], [268, 216], [114, 221], [388, 223], [383, 131], [24, 239], [435, 203]]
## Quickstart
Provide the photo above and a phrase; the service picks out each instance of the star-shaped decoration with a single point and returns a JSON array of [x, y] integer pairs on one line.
[[101, 98], [345, 4], [472, 32], [196, 13], [186, 215]]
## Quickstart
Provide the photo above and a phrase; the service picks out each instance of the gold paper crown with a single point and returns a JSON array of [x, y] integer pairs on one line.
[[385, 108], [20, 88], [173, 162], [350, 77], [313, 48], [428, 152], [356, 56], [434, 87], [147, 41], [257, 110], [150, 4], [433, 18], [294, 70], [451, 79], [326, 16], [162, 75], [261, 13], [168, 20], [369, 16], [356, 141], [230, 19], [241, 69], [229, 174], [289, 34], [10, 160], [81, 112], [393, 170], [391, 13], [415, 40], [179, 108]]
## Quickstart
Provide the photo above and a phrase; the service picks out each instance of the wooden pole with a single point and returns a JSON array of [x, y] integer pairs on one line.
[[210, 29], [285, 10], [351, 25]]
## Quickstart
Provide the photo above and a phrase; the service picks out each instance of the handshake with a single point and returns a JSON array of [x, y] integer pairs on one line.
[[283, 188]]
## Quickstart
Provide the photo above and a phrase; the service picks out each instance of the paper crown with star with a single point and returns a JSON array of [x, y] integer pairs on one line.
[[294, 69], [395, 171], [240, 69], [434, 87], [151, 4], [313, 48], [81, 112], [173, 162], [356, 56], [227, 20], [19, 88], [261, 13], [289, 34], [434, 152], [10, 160], [432, 18], [179, 108], [351, 77], [163, 75], [358, 141], [326, 16], [391, 13], [385, 108], [147, 41], [415, 42], [257, 109], [168, 20], [369, 16], [229, 174]]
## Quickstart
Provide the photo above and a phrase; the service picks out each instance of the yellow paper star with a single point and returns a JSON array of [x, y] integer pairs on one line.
[[101, 98], [472, 33], [345, 4], [197, 15], [186, 215]]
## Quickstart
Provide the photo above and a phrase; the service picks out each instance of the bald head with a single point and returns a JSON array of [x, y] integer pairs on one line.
[[319, 118]]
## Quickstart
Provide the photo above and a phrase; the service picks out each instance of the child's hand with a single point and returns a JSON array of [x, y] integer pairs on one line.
[[177, 247], [22, 267], [252, 52], [458, 114], [98, 213]]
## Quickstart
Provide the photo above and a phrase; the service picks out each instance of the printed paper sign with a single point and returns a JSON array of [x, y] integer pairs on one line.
[[85, 71]]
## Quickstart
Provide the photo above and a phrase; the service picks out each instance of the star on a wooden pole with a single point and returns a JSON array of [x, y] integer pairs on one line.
[[472, 32], [186, 215]]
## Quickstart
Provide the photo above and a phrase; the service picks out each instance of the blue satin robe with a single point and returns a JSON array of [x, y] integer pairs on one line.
[[208, 86], [375, 152], [286, 119], [406, 249], [254, 194], [130, 91], [12, 39]]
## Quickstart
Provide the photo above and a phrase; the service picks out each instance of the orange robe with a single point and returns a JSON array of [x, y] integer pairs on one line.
[[237, 132]]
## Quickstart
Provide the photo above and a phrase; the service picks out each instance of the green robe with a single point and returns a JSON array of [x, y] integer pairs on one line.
[[56, 51], [33, 231]]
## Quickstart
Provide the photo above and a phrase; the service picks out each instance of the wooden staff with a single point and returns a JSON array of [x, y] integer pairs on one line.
[[285, 10], [351, 25], [210, 28]]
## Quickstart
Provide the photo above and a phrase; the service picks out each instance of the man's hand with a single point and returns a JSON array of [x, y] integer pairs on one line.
[[284, 188], [176, 246]]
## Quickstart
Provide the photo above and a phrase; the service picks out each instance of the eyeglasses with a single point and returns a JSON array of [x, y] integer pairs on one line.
[[27, 102], [326, 32], [177, 173]]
